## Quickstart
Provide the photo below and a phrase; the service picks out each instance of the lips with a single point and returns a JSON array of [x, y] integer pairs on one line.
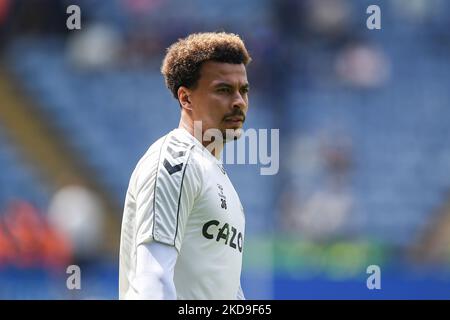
[[235, 119]]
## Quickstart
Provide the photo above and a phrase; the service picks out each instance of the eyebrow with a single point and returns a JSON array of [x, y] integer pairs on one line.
[[225, 84]]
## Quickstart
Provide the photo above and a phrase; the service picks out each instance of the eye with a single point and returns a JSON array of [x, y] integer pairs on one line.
[[245, 90], [224, 89]]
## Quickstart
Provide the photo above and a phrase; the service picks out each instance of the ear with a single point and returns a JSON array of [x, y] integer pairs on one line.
[[184, 98]]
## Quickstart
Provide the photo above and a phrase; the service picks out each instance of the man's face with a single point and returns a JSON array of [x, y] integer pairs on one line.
[[220, 99]]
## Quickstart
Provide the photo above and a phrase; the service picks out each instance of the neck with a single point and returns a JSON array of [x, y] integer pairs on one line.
[[188, 125]]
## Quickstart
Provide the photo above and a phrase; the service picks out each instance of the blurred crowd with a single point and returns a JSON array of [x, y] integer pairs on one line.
[[341, 95], [28, 240], [70, 230], [299, 44]]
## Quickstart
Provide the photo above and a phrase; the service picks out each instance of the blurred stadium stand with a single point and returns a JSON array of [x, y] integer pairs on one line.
[[363, 117], [21, 179]]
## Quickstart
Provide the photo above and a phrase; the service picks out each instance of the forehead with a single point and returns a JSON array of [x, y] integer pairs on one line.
[[215, 72]]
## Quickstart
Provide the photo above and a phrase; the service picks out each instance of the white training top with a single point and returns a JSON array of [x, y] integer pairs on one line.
[[180, 195]]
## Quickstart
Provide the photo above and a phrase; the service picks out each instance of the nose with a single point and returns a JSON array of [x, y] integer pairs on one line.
[[239, 102]]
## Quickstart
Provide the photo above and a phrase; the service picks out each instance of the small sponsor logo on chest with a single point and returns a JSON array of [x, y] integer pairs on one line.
[[222, 197]]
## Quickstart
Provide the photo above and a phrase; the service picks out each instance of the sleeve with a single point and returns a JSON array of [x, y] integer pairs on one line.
[[155, 265], [166, 189], [240, 294]]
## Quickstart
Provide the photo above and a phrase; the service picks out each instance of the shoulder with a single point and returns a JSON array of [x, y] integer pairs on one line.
[[147, 165], [173, 157]]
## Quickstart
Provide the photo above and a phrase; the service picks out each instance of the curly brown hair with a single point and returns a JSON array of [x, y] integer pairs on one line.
[[182, 63]]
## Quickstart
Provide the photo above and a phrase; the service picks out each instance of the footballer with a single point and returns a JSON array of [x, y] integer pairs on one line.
[[183, 223]]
